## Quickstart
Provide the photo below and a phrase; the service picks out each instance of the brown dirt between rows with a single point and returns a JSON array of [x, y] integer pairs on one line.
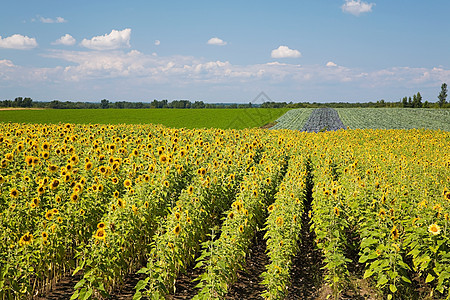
[[306, 274]]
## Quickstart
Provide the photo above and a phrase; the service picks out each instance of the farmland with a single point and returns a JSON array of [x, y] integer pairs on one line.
[[187, 118], [98, 203], [395, 118], [369, 118]]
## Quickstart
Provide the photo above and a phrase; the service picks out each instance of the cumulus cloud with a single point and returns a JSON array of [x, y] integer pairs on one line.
[[18, 41], [216, 41], [331, 64], [356, 7], [284, 52], [66, 40], [50, 20], [115, 40], [157, 42]]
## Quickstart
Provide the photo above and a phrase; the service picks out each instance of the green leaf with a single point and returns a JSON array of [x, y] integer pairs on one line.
[[141, 284], [363, 259], [405, 279], [79, 284], [429, 278], [137, 296], [368, 242], [393, 288], [382, 281], [75, 295], [368, 273], [87, 295], [77, 270]]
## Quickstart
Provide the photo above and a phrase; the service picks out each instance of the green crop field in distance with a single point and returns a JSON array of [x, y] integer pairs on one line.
[[178, 118], [395, 118]]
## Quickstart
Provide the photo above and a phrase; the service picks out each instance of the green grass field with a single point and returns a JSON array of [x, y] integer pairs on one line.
[[187, 118]]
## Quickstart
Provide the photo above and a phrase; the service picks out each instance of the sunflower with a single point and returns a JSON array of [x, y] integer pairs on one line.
[[241, 228], [49, 214], [279, 221], [146, 204], [115, 180], [35, 201], [163, 158], [101, 225], [26, 239], [9, 156], [2, 179], [434, 229], [271, 208], [45, 155], [14, 193], [177, 229], [394, 232], [45, 146], [67, 177], [74, 197], [58, 199], [88, 166], [336, 211], [82, 212], [190, 190], [103, 170], [100, 234], [41, 190], [121, 203], [44, 235], [59, 220], [146, 178], [166, 183], [127, 183]]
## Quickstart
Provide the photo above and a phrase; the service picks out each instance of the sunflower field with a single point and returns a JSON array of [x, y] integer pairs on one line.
[[100, 202]]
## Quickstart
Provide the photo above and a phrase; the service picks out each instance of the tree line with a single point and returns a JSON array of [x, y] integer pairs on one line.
[[415, 101]]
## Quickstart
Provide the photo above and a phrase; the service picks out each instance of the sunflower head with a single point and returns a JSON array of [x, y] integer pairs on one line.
[[100, 234], [177, 229], [26, 239], [434, 229]]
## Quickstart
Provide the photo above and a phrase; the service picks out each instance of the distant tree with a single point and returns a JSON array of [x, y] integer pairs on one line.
[[405, 102], [443, 95], [104, 104], [417, 101]]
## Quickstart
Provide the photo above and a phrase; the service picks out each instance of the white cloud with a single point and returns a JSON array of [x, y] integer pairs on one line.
[[284, 52], [157, 42], [356, 7], [115, 40], [216, 41], [331, 64], [18, 41], [50, 20], [66, 40]]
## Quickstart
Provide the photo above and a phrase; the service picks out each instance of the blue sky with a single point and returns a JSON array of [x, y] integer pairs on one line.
[[224, 51]]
